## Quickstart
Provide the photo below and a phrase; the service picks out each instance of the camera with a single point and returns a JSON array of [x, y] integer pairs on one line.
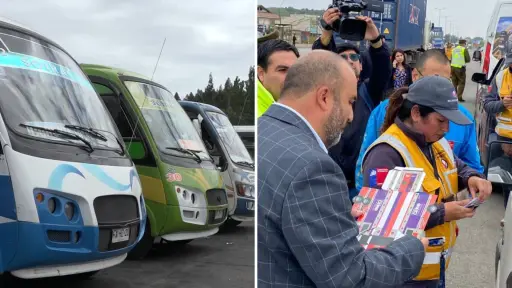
[[348, 26]]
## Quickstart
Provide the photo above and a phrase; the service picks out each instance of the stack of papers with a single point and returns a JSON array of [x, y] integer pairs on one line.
[[398, 210]]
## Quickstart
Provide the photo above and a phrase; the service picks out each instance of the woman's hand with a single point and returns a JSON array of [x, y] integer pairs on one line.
[[481, 186], [394, 63], [455, 210]]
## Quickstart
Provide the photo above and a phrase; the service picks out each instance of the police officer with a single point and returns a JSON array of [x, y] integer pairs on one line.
[[460, 56]]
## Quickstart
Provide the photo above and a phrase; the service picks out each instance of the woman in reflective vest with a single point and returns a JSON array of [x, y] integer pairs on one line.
[[416, 121]]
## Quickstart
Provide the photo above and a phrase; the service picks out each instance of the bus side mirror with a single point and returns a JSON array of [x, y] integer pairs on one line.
[[479, 78], [135, 148]]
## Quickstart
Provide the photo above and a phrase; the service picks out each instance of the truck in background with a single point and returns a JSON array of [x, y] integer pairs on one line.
[[403, 24], [437, 38]]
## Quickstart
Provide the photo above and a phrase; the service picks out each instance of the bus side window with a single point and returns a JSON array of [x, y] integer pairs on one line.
[[117, 112]]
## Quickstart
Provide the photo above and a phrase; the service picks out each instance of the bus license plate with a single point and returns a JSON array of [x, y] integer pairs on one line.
[[120, 235], [250, 206], [218, 214]]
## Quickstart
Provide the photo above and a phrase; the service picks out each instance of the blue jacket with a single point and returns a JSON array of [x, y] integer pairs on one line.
[[370, 93], [463, 137]]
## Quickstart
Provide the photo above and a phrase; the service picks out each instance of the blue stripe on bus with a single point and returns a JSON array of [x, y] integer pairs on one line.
[[7, 202], [28, 62]]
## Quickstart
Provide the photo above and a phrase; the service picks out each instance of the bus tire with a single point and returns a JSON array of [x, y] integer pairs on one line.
[[182, 242], [145, 245], [82, 276], [231, 223]]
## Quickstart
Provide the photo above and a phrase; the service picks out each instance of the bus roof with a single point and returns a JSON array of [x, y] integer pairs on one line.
[[113, 70], [204, 106], [13, 25]]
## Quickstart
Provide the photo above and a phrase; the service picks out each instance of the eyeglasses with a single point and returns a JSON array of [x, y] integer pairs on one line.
[[354, 57], [421, 75]]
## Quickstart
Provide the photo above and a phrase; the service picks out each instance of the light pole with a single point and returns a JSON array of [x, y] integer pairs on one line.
[[440, 9]]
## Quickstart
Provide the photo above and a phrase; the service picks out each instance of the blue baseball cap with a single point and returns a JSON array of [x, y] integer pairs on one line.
[[438, 93]]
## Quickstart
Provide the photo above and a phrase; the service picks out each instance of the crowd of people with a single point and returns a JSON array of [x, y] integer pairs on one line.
[[325, 120]]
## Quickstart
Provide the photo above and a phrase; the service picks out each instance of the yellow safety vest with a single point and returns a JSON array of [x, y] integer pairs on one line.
[[458, 59], [447, 184], [448, 53], [504, 119], [265, 99]]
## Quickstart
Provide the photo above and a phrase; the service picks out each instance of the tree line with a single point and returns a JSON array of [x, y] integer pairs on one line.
[[236, 98]]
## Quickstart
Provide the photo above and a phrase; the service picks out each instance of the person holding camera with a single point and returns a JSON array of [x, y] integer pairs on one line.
[[369, 93]]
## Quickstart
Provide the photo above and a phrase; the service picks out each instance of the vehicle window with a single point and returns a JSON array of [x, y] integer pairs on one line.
[[236, 148], [168, 123], [115, 109], [42, 86]]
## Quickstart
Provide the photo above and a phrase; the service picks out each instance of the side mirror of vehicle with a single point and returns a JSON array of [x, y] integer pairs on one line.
[[479, 78], [135, 148], [220, 162]]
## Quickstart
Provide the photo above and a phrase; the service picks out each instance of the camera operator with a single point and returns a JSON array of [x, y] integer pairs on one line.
[[369, 93]]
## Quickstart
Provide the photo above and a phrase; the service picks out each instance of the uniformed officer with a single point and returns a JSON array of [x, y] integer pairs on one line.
[[460, 56]]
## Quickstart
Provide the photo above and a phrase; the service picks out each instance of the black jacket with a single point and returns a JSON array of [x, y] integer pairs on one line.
[[370, 93]]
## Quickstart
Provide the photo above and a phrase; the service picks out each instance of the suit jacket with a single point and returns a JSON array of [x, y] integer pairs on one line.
[[306, 234]]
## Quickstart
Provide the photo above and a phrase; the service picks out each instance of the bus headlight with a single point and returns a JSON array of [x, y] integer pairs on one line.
[[245, 190], [52, 205], [69, 210]]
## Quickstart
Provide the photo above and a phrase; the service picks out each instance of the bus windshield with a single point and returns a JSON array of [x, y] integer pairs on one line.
[[169, 124], [236, 148], [44, 94]]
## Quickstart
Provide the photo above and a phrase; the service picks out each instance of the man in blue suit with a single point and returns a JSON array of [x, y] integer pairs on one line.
[[307, 234]]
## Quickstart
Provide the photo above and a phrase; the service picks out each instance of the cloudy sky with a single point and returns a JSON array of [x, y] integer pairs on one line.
[[202, 36], [470, 17]]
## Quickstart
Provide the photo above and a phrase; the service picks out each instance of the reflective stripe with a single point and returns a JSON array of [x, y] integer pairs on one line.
[[504, 126], [448, 149], [447, 180], [397, 145], [435, 257], [6, 220]]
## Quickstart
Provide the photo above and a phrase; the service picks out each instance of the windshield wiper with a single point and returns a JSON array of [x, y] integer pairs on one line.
[[245, 163], [89, 148], [87, 130], [187, 151], [93, 132]]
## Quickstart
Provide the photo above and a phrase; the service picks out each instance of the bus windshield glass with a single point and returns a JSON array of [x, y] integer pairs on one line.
[[236, 148], [44, 94], [169, 124]]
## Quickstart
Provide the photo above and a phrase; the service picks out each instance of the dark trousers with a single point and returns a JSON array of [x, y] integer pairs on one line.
[[459, 80]]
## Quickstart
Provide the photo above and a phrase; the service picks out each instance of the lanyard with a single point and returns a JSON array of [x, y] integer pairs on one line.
[[442, 263], [436, 242]]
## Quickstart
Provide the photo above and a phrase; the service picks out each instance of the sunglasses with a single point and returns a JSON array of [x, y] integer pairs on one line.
[[354, 57]]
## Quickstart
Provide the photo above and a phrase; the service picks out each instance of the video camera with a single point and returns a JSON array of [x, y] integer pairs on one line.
[[348, 26]]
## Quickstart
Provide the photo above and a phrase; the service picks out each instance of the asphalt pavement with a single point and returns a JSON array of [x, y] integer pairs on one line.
[[222, 260], [472, 264]]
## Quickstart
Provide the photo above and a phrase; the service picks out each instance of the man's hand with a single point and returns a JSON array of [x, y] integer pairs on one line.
[[507, 102], [356, 213], [331, 15], [455, 210], [372, 32], [481, 186]]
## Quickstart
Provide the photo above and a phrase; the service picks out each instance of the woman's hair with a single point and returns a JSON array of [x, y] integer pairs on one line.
[[393, 56], [401, 108]]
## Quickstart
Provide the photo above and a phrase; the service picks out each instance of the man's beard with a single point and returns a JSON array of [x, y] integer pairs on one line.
[[334, 126]]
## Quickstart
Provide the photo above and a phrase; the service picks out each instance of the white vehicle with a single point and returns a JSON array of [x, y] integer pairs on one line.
[[70, 197], [247, 135], [497, 37], [230, 155]]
